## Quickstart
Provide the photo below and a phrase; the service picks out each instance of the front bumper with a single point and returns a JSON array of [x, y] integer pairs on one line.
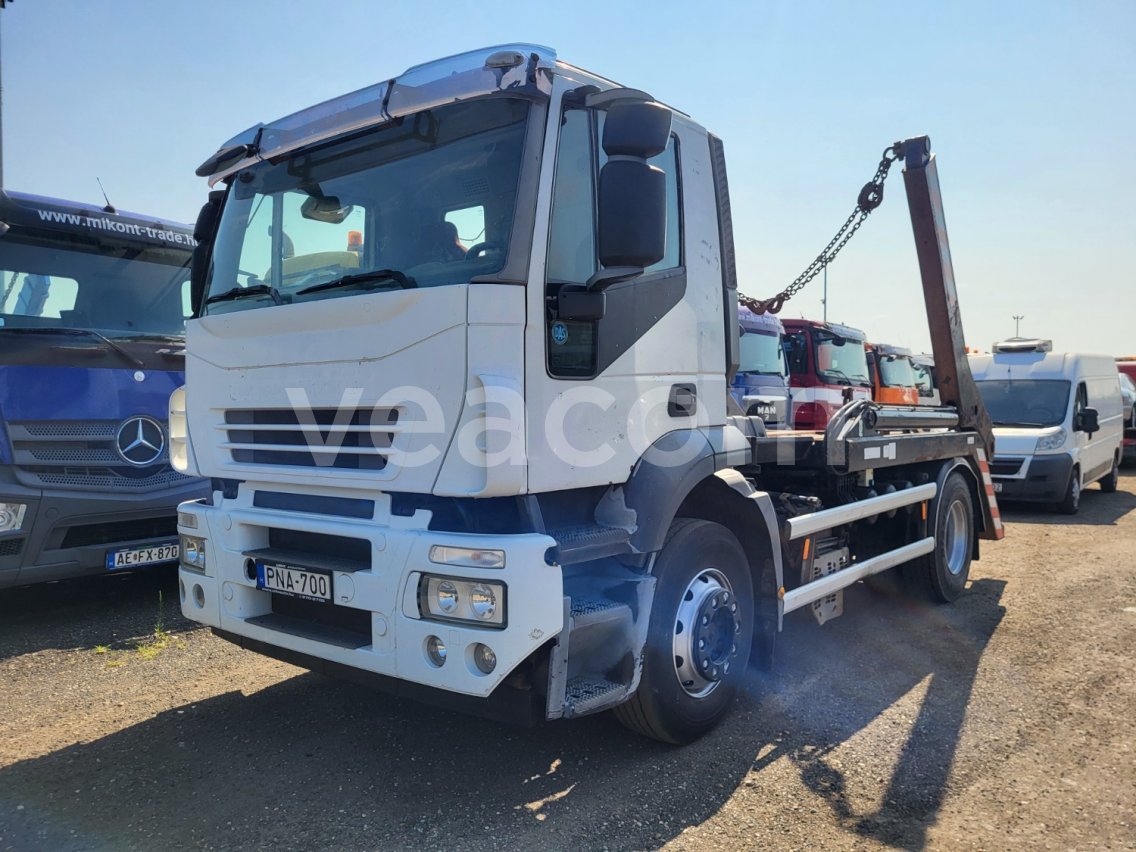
[[1042, 479], [68, 533], [378, 601]]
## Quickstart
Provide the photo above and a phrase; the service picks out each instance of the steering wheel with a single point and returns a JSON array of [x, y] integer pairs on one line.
[[483, 248]]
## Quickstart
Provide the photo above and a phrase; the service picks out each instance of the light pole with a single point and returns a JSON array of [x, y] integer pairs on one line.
[[1018, 324], [824, 299]]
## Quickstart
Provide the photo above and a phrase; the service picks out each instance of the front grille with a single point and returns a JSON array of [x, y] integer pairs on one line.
[[325, 437], [1005, 466], [84, 535], [317, 545], [357, 622], [81, 454], [11, 546]]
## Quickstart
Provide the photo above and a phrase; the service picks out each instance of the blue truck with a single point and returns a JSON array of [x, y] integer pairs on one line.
[[761, 385], [93, 305]]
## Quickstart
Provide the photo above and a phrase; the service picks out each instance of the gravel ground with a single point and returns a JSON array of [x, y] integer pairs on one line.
[[1003, 721]]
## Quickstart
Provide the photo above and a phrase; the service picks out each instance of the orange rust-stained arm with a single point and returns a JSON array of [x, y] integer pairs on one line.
[[944, 320]]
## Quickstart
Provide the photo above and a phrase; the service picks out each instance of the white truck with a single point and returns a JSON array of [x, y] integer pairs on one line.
[[460, 378]]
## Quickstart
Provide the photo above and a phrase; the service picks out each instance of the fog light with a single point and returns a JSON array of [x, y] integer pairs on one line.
[[447, 597], [436, 651], [482, 601], [12, 516], [484, 658]]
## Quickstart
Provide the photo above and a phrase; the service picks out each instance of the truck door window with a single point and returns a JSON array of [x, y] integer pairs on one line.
[[797, 349], [571, 257], [469, 225]]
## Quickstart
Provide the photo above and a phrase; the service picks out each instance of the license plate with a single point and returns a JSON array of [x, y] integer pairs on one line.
[[297, 582], [997, 487], [135, 557]]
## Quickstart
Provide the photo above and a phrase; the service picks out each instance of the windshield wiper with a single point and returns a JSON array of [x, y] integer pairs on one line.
[[373, 277], [838, 373], [82, 332], [1018, 424], [241, 292]]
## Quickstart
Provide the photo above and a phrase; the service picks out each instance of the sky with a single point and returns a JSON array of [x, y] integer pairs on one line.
[[1030, 106]]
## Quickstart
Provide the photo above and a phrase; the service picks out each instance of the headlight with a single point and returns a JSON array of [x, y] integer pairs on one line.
[[179, 433], [1048, 443], [12, 516], [470, 601], [192, 552]]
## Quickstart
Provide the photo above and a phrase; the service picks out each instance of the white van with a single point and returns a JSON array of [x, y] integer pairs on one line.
[[1058, 423]]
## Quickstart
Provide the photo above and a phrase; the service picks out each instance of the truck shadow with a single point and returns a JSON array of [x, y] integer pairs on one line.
[[1097, 508], [89, 611], [314, 763]]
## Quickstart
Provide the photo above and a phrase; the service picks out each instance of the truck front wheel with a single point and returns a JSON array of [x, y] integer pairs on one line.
[[699, 635]]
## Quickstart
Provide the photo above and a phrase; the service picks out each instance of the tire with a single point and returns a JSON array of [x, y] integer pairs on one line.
[[703, 576], [1070, 504], [941, 575], [1112, 478]]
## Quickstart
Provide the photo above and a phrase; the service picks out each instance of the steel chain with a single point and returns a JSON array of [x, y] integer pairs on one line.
[[870, 197]]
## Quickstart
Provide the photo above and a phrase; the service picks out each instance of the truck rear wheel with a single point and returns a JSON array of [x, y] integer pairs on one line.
[[1112, 478], [941, 574], [699, 636]]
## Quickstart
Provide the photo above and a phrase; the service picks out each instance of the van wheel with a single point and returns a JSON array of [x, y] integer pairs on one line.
[[1070, 504], [699, 636], [1112, 479], [941, 575]]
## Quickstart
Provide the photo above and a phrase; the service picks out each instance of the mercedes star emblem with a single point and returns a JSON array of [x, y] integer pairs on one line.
[[140, 441]]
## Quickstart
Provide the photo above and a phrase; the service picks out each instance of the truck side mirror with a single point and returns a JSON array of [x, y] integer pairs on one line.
[[203, 232], [1089, 421], [632, 193]]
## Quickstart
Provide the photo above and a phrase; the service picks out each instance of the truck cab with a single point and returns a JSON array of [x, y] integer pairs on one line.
[[893, 374], [92, 328], [827, 363], [459, 375], [761, 385]]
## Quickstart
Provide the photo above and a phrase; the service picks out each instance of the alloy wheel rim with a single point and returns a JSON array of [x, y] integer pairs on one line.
[[706, 633]]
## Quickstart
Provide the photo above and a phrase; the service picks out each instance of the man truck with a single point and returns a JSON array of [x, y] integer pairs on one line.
[[509, 481], [93, 305]]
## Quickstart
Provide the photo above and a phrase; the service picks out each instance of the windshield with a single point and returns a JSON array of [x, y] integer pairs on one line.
[[430, 197], [119, 291], [840, 360], [1028, 402], [896, 371], [762, 353]]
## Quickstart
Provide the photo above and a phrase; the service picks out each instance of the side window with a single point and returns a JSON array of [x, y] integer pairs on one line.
[[796, 348], [572, 235], [26, 295], [469, 226], [571, 257], [668, 162]]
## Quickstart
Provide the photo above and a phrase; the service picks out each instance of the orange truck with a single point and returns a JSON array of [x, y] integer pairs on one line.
[[893, 374]]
